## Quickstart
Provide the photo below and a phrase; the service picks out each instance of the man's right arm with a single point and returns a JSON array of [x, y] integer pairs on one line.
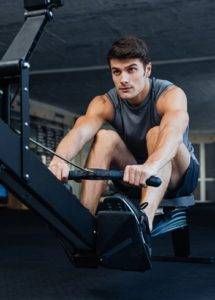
[[99, 110]]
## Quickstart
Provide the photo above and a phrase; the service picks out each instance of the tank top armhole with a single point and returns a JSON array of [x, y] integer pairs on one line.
[[114, 106], [157, 116], [163, 90]]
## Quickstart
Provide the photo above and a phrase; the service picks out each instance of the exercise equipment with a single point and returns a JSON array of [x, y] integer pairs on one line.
[[20, 170], [173, 219], [87, 240]]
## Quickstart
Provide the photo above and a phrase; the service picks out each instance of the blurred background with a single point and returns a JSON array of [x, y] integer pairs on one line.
[[68, 67]]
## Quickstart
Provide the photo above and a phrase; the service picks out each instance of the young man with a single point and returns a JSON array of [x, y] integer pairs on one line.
[[151, 138]]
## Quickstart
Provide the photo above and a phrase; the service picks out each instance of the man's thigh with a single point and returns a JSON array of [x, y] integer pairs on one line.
[[185, 174], [121, 155], [180, 164], [120, 159]]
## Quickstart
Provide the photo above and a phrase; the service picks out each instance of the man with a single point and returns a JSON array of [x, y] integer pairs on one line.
[[151, 138]]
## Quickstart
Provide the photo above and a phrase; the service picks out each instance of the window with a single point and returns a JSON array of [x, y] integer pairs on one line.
[[205, 191]]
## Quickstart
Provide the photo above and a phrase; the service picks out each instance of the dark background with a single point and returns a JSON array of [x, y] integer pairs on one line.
[[69, 64], [69, 68]]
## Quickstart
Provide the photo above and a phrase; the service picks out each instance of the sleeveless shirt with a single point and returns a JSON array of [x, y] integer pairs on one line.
[[133, 122]]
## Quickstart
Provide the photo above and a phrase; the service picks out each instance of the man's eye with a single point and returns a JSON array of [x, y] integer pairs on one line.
[[132, 70], [115, 72]]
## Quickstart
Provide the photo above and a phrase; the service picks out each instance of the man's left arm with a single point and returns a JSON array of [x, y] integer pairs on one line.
[[172, 106]]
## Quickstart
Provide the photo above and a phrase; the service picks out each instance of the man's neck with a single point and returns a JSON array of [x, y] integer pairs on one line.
[[141, 97]]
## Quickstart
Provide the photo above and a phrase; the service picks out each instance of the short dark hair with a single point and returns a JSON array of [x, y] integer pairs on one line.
[[129, 47]]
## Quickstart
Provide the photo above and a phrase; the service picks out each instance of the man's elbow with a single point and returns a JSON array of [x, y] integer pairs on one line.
[[186, 119], [182, 120]]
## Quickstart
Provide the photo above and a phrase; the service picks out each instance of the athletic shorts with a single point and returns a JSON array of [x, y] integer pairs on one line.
[[188, 182], [185, 187]]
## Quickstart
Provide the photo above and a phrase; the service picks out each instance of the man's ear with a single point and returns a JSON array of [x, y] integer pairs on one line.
[[148, 70]]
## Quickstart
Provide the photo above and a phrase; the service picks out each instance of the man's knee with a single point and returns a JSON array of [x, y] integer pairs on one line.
[[182, 157], [106, 138]]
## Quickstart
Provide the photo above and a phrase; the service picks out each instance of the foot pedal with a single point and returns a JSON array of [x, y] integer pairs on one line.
[[169, 221]]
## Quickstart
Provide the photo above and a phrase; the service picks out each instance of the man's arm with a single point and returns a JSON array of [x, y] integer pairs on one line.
[[172, 106], [85, 128]]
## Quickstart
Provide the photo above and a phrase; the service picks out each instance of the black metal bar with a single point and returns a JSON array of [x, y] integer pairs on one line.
[[5, 103], [42, 191], [42, 4], [25, 120], [101, 174], [29, 200], [46, 189], [8, 91], [9, 68], [26, 40]]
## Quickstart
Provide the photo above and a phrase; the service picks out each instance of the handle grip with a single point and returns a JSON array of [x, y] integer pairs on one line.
[[100, 174]]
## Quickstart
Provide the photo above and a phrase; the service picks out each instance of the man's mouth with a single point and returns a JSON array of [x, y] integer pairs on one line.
[[125, 89]]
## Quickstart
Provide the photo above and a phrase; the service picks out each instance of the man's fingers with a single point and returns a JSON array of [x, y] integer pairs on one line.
[[132, 175], [53, 169], [129, 175], [143, 181], [64, 174], [126, 174], [57, 173], [61, 171], [137, 177]]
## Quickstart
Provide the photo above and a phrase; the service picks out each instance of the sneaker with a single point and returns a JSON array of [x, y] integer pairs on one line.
[[144, 223], [169, 221], [138, 211]]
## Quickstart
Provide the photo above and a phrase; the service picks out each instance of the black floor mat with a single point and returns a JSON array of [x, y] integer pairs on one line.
[[34, 266]]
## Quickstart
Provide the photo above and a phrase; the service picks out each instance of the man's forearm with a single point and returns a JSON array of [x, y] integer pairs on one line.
[[83, 131], [166, 147], [70, 145]]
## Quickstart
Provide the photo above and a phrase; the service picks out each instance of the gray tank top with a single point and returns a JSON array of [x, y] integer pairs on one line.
[[133, 122]]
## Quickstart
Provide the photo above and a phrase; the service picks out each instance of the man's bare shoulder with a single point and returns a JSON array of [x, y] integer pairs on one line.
[[101, 106], [102, 99], [172, 98]]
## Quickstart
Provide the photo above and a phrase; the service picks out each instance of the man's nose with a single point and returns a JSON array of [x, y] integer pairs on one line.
[[124, 78]]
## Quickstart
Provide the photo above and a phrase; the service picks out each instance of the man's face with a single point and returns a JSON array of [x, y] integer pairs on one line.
[[129, 76]]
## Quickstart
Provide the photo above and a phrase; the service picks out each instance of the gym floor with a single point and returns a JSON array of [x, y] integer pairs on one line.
[[34, 266]]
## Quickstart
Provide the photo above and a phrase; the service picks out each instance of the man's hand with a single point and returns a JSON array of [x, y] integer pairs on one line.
[[60, 169], [138, 174]]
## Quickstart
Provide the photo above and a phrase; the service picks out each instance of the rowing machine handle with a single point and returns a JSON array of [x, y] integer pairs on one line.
[[100, 174]]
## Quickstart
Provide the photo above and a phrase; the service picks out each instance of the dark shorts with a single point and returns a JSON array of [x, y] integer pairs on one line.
[[185, 187], [188, 182]]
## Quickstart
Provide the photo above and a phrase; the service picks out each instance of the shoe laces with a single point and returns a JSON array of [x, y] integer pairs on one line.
[[143, 205]]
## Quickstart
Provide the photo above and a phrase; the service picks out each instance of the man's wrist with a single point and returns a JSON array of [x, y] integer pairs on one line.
[[63, 154], [153, 166]]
